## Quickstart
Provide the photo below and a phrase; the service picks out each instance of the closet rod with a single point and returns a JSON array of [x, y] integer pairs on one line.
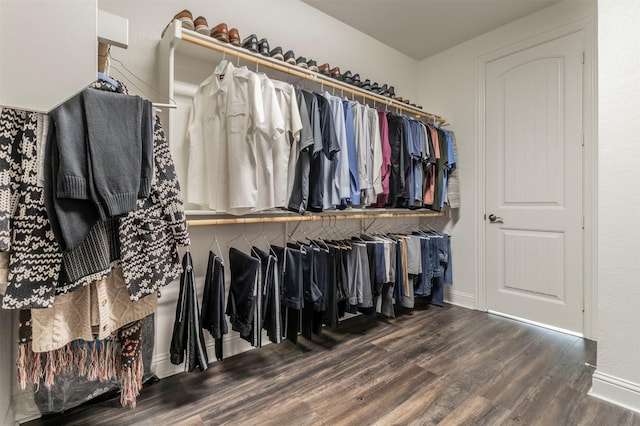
[[309, 218], [198, 39]]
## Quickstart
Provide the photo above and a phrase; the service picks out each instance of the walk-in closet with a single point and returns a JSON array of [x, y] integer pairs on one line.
[[319, 212]]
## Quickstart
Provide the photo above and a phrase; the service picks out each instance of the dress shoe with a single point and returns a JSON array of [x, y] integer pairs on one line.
[[325, 69], [220, 32], [399, 99], [234, 37], [202, 26], [374, 88], [356, 80], [290, 57], [302, 62], [392, 92], [335, 73], [366, 85], [312, 65], [186, 19], [276, 53], [347, 77], [251, 43], [263, 47]]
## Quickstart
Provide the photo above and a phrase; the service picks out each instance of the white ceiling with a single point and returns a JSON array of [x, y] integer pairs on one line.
[[421, 28]]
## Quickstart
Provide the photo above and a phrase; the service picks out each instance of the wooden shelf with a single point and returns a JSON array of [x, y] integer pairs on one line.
[[348, 215], [175, 34]]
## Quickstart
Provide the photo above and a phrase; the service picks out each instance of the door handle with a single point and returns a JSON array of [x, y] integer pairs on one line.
[[495, 219]]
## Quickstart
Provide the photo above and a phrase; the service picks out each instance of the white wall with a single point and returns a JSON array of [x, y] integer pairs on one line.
[[617, 377], [449, 85], [288, 23]]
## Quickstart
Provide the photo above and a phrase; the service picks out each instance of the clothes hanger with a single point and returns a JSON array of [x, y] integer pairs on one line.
[[217, 243], [172, 103]]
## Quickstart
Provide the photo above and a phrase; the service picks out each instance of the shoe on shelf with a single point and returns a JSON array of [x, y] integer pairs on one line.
[[290, 57], [325, 69], [392, 92], [335, 73], [347, 77], [384, 90], [356, 80], [202, 26], [366, 85], [234, 37], [251, 43], [374, 88], [302, 62], [220, 32], [263, 47], [312, 65], [186, 19], [276, 53]]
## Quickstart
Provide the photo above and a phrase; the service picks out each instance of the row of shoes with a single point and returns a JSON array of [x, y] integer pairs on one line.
[[222, 33]]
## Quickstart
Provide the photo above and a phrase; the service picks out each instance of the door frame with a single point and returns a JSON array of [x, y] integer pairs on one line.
[[589, 164]]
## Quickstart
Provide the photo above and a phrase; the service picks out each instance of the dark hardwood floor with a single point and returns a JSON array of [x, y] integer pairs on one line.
[[446, 366]]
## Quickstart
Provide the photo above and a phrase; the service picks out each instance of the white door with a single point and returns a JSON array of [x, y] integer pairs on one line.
[[533, 225]]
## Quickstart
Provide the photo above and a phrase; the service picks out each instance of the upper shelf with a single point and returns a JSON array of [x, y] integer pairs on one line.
[[175, 34]]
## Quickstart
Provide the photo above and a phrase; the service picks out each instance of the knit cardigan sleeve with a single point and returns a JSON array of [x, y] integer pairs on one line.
[[168, 187], [5, 180]]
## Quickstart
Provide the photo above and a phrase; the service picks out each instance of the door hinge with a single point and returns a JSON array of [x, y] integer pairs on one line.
[[583, 56]]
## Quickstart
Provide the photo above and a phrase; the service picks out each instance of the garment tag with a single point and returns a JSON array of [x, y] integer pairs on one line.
[[220, 67]]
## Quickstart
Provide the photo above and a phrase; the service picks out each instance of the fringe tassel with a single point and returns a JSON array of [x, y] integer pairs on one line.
[[81, 359], [36, 368], [50, 369], [131, 383], [93, 370], [22, 365]]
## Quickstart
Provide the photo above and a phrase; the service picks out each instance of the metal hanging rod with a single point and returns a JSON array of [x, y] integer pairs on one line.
[[308, 218], [224, 48]]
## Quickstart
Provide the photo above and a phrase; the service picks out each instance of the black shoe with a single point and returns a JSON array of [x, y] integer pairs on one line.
[[251, 43], [374, 88], [276, 53], [356, 80], [290, 57], [312, 65], [263, 47], [366, 85], [347, 77], [392, 92], [384, 90], [302, 62]]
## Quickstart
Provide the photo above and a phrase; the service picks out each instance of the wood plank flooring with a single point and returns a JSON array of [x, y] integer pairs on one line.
[[431, 366]]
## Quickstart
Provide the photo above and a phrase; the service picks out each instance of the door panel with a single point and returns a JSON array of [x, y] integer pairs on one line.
[[534, 183]]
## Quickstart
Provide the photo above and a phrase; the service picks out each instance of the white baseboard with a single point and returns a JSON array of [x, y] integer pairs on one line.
[[458, 298], [615, 390], [233, 345]]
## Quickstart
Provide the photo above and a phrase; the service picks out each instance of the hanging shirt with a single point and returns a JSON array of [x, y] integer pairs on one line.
[[354, 177], [375, 150], [227, 111], [331, 147], [320, 148], [287, 145], [430, 190], [360, 124], [340, 168], [270, 148], [385, 168], [310, 143]]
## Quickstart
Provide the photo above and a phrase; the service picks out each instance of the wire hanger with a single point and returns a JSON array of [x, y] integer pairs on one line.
[[172, 105], [217, 243]]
